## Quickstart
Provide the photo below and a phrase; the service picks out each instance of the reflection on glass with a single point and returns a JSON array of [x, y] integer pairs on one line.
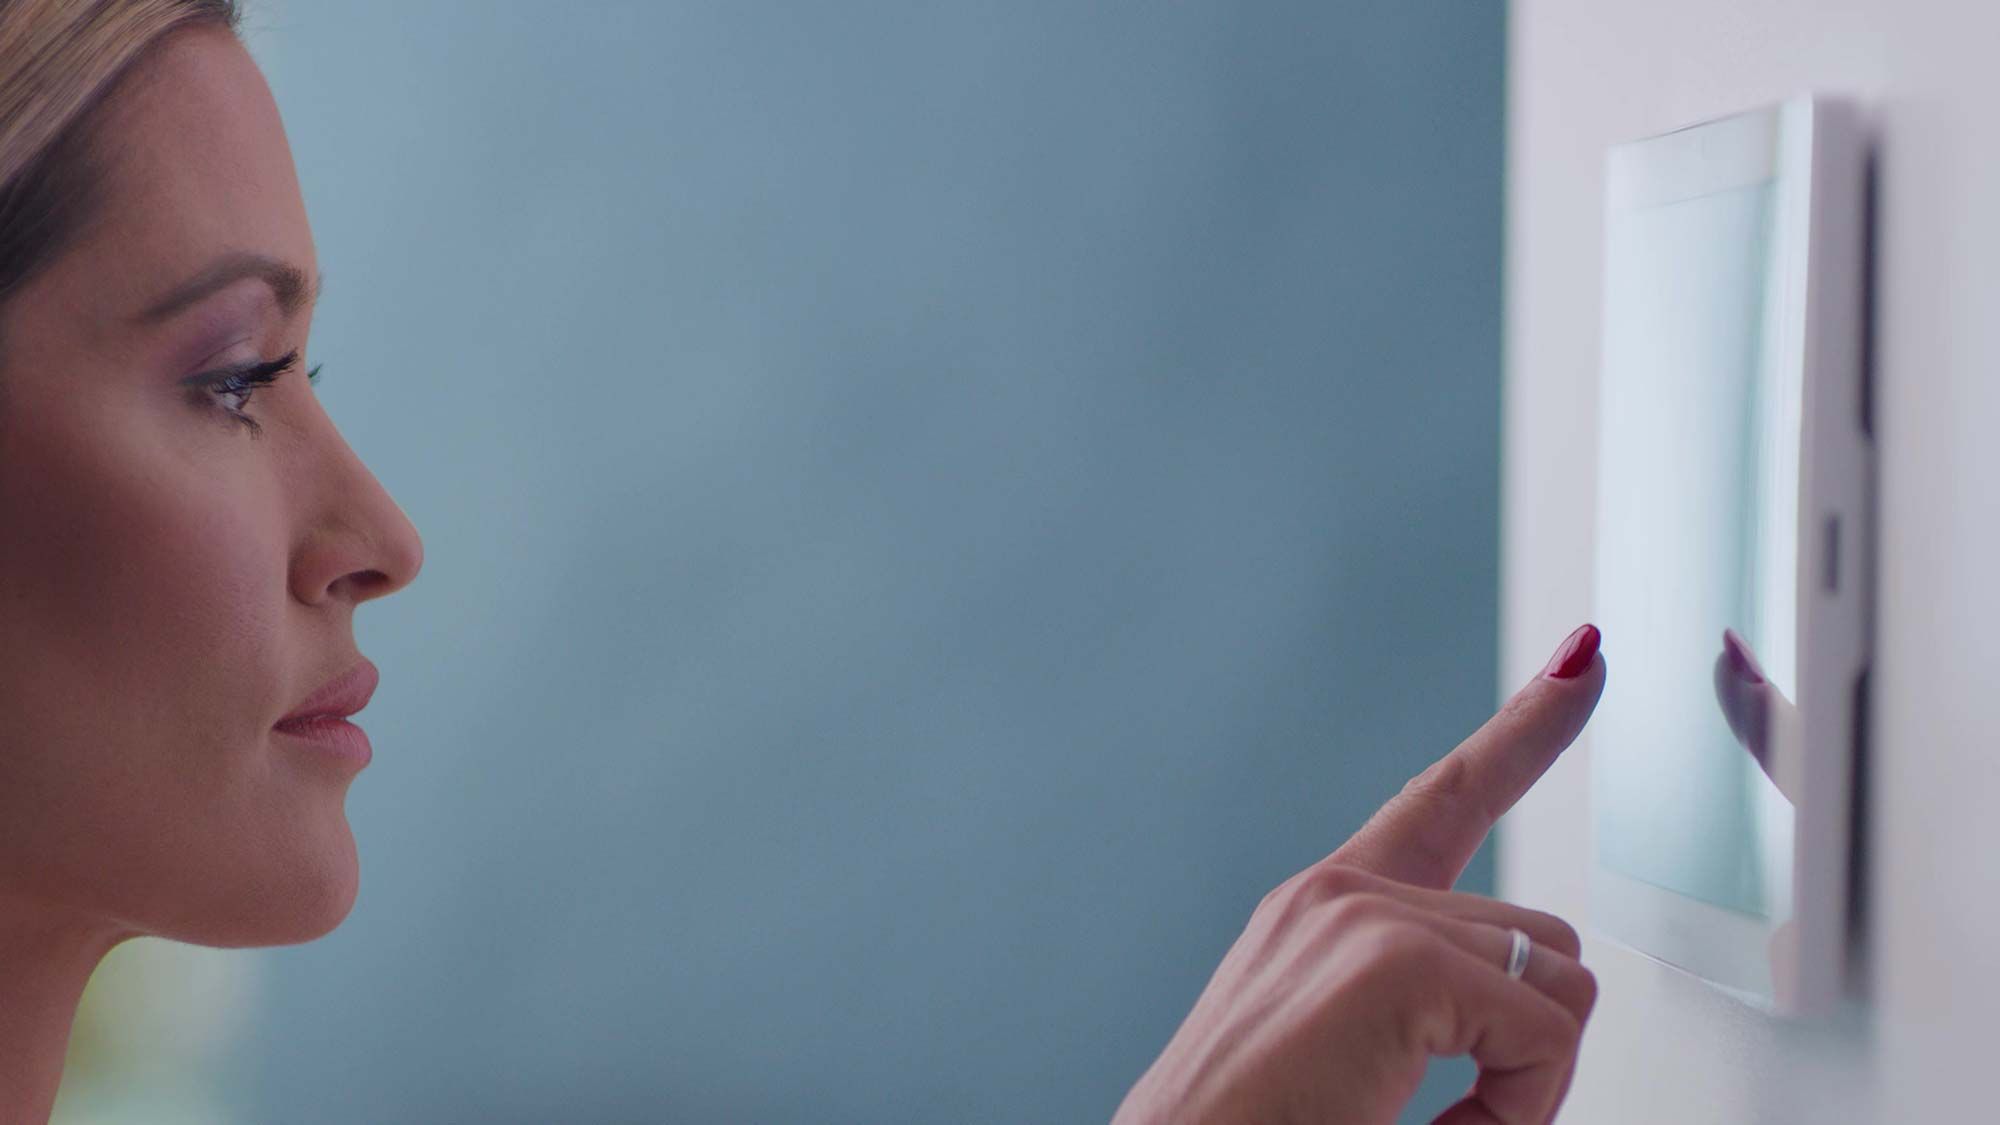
[[1697, 536]]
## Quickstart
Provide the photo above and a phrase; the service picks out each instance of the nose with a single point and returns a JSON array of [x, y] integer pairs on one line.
[[358, 545]]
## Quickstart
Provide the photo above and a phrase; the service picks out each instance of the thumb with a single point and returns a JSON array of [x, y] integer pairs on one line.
[[1426, 834]]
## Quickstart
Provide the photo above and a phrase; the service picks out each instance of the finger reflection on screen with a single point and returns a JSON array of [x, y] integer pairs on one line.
[[1757, 712]]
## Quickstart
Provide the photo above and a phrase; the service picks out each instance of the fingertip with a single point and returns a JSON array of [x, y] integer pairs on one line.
[[1741, 660], [1576, 654], [1576, 671], [1563, 704]]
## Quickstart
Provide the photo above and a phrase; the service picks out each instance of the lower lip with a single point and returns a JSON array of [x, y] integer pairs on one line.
[[334, 736]]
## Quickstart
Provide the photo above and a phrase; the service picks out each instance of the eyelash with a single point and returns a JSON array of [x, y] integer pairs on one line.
[[244, 381]]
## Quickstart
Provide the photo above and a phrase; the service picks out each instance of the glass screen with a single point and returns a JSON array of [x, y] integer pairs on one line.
[[1697, 565]]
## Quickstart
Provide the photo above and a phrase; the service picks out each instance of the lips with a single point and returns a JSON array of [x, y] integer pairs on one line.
[[337, 698]]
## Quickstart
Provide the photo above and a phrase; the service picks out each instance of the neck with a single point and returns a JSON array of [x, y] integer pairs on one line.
[[46, 957]]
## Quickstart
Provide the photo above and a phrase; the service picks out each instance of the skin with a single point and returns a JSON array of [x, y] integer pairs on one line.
[[171, 585], [1354, 973]]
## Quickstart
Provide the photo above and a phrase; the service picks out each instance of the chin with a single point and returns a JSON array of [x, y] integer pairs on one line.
[[315, 901], [286, 904], [314, 911]]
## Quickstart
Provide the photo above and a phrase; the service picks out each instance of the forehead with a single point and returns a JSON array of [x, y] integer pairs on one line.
[[196, 165]]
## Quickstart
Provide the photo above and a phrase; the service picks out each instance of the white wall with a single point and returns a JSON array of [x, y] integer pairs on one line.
[[1587, 73]]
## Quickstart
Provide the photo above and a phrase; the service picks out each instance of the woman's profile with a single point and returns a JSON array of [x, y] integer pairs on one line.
[[188, 537]]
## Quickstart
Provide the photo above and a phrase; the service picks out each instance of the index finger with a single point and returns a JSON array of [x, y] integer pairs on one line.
[[1426, 834]]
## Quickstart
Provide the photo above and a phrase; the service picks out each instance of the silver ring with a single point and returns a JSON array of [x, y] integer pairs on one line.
[[1517, 957]]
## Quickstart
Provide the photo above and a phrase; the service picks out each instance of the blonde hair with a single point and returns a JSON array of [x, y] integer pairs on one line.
[[59, 61]]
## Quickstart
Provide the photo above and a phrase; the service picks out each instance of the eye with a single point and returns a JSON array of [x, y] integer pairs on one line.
[[241, 382]]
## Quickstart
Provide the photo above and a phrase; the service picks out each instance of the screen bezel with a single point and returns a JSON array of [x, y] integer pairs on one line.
[[1812, 151]]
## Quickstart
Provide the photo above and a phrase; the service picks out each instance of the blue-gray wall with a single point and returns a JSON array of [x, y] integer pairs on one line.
[[932, 509]]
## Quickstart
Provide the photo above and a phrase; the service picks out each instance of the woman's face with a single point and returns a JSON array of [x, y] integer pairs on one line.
[[171, 582]]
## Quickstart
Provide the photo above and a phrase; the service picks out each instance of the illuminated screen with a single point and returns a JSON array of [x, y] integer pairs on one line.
[[1697, 533]]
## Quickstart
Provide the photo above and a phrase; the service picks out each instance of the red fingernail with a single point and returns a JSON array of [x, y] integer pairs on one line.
[[1744, 664], [1574, 654]]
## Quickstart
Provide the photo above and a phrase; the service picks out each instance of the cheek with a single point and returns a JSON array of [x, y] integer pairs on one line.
[[144, 599], [167, 590]]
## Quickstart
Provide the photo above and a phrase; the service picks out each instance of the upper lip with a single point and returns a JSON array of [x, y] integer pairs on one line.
[[339, 697]]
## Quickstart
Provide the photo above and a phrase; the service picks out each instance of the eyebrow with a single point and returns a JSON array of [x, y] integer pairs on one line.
[[287, 282]]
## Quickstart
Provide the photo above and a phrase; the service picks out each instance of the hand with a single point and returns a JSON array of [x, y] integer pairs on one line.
[[1354, 972]]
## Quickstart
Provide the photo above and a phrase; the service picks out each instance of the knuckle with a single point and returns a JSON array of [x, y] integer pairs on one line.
[[1330, 880], [1587, 987], [1515, 715], [1275, 897], [1516, 705], [1394, 947], [1325, 881], [1449, 790], [1431, 840], [1569, 1032], [1562, 935], [1448, 779], [1278, 904], [1358, 910]]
